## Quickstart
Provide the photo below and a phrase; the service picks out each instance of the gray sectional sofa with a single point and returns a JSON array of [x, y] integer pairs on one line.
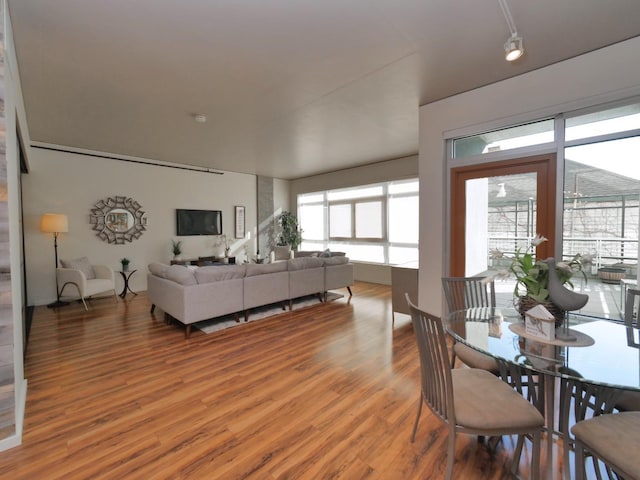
[[193, 294]]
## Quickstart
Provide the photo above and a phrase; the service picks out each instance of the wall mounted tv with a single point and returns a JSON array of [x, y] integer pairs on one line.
[[198, 222]]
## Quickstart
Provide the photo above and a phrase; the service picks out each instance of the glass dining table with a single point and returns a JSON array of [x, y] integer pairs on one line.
[[601, 353]]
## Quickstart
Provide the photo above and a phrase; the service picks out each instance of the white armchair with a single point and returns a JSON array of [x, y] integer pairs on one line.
[[103, 282]]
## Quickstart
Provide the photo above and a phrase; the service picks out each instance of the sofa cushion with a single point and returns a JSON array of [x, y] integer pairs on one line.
[[302, 263], [335, 260], [158, 269], [81, 264], [219, 273], [260, 268], [181, 275]]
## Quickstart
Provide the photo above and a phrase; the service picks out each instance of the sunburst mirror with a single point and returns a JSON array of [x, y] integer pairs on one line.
[[118, 219]]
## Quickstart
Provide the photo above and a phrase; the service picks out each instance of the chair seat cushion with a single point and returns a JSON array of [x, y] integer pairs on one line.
[[475, 389], [475, 359], [615, 438], [98, 285]]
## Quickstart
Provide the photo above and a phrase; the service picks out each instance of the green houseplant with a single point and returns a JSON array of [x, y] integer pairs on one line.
[[532, 276], [290, 232], [176, 248], [125, 264]]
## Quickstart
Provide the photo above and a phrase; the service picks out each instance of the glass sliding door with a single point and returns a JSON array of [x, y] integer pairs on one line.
[[601, 206], [500, 205]]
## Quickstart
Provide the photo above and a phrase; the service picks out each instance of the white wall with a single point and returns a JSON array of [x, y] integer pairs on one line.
[[397, 169], [72, 183], [604, 75]]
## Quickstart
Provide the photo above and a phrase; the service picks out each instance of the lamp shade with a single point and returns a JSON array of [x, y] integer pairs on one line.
[[54, 223]]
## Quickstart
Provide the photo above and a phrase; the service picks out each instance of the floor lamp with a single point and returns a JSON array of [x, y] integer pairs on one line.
[[55, 223]]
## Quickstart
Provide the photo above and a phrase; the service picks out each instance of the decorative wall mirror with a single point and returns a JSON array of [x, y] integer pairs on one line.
[[118, 219]]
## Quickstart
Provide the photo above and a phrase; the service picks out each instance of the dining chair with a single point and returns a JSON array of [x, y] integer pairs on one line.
[[614, 439], [467, 292], [580, 400], [630, 400], [452, 395]]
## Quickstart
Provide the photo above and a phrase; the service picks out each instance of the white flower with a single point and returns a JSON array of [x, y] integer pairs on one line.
[[586, 258], [495, 253], [538, 239], [501, 274], [564, 266]]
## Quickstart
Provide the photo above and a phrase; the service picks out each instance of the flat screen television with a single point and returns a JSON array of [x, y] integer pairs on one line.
[[198, 222]]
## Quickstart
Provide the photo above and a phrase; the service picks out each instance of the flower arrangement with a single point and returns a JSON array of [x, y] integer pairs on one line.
[[532, 275], [222, 241]]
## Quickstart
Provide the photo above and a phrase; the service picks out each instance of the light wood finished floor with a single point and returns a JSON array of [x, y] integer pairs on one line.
[[327, 392]]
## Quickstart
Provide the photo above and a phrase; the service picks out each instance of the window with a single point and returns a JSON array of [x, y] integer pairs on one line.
[[373, 223], [536, 133]]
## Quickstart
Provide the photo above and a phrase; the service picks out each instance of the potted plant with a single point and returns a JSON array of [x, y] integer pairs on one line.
[[532, 276], [125, 264], [290, 232], [176, 248]]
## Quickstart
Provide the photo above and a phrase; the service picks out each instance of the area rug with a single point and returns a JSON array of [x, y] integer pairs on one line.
[[260, 313]]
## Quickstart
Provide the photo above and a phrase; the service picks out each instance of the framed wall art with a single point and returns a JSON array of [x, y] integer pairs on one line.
[[240, 224]]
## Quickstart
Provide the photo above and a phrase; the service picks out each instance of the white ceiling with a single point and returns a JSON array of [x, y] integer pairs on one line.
[[291, 88]]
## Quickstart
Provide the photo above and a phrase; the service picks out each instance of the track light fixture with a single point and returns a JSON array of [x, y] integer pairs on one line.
[[514, 48]]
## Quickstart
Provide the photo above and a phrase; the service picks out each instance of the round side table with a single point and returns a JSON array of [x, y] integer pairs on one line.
[[126, 275]]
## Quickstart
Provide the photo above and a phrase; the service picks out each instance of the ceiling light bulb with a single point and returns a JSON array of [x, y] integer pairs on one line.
[[513, 48], [200, 117]]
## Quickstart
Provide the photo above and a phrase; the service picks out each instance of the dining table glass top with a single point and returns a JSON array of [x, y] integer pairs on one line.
[[609, 357]]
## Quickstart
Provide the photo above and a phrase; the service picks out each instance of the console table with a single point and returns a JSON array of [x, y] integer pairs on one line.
[[404, 278], [204, 261]]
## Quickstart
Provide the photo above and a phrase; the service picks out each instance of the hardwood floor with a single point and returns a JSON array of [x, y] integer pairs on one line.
[[327, 392]]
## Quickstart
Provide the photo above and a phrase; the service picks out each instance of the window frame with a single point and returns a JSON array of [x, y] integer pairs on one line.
[[383, 199]]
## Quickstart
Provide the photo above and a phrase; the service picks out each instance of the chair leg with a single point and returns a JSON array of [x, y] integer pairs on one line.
[[451, 454], [453, 353], [415, 425], [579, 454], [535, 459], [517, 454], [84, 303]]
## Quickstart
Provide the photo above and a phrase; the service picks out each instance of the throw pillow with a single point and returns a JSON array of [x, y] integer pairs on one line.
[[81, 264], [326, 253]]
